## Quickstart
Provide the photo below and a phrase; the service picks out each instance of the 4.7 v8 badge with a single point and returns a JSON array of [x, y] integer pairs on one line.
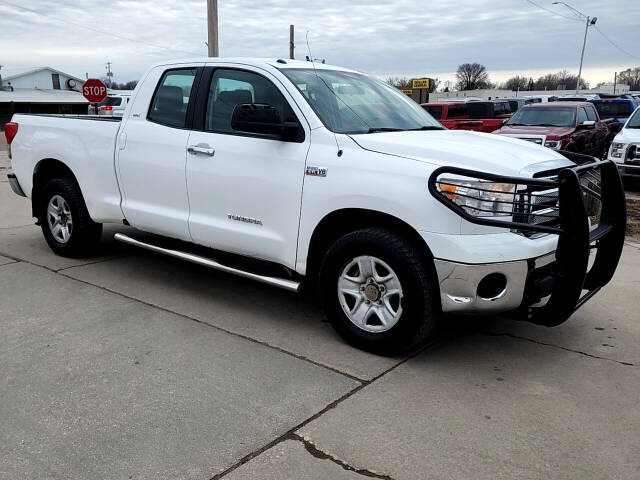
[[316, 171]]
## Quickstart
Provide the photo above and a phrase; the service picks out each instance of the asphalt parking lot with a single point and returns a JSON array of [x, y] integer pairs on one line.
[[131, 366]]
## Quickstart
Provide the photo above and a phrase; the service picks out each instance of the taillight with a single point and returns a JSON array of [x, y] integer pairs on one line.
[[108, 107], [10, 130]]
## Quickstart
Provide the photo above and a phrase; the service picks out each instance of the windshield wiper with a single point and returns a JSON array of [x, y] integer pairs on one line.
[[384, 129], [426, 127]]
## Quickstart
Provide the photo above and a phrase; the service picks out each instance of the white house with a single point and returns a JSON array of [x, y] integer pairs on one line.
[[44, 78], [39, 90]]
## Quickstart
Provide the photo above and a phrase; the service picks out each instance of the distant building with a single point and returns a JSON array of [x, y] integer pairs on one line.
[[39, 90]]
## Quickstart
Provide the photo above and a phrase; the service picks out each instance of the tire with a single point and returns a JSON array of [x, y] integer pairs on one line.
[[62, 206], [410, 317]]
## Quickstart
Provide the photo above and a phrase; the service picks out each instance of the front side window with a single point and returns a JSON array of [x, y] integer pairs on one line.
[[591, 114], [169, 105], [582, 115], [230, 88], [544, 117], [348, 102]]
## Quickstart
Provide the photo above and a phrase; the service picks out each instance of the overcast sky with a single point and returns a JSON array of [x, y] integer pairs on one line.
[[391, 37]]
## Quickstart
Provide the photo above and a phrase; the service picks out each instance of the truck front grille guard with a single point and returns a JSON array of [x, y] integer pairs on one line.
[[579, 231]]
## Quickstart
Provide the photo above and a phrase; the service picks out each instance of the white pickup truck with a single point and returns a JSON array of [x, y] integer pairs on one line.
[[295, 173]]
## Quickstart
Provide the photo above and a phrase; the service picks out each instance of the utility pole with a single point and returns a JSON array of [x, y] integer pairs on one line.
[[291, 44], [584, 44], [589, 21], [615, 80], [212, 27], [109, 74]]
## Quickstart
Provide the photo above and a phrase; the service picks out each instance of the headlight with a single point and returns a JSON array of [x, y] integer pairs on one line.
[[479, 197], [617, 150], [555, 144]]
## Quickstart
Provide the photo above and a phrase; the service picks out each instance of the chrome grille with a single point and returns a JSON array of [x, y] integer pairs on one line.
[[537, 206]]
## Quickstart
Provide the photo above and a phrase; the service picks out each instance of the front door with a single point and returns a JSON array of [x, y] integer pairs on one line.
[[152, 158], [245, 189]]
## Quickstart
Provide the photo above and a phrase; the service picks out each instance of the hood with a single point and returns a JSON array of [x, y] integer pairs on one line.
[[550, 132], [463, 148], [628, 135]]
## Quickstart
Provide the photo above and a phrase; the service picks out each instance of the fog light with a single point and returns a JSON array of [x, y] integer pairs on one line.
[[492, 287]]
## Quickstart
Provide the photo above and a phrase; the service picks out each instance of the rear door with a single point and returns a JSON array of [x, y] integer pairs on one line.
[[245, 189], [152, 153]]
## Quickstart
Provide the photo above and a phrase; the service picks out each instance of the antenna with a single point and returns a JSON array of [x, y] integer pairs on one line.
[[310, 57]]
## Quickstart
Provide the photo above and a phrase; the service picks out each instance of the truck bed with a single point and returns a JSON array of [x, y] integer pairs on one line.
[[86, 147]]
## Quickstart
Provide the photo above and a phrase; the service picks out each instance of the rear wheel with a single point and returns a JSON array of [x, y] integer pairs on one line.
[[378, 291], [65, 221]]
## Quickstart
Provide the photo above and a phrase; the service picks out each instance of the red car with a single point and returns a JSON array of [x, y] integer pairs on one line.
[[478, 116], [571, 126]]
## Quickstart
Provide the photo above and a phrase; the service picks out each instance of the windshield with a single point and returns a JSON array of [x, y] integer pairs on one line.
[[613, 109], [546, 117], [634, 121], [348, 102]]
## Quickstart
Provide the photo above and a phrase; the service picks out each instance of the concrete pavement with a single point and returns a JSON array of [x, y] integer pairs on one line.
[[132, 365]]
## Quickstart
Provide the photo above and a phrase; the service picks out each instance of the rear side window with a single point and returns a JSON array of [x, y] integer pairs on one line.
[[113, 101], [230, 88], [169, 105], [434, 110], [457, 110]]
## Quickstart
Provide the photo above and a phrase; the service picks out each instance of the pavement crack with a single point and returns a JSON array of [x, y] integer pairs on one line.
[[291, 435], [316, 452], [579, 352]]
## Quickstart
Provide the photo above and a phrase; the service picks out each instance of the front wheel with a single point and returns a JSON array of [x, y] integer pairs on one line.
[[65, 221], [378, 291]]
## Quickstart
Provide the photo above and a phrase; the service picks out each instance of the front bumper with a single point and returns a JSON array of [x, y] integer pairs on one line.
[[15, 185], [544, 290], [461, 287]]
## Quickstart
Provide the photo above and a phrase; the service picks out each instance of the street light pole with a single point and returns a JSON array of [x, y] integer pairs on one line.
[[589, 21]]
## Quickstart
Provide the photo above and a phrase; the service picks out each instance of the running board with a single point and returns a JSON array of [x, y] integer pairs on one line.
[[290, 285]]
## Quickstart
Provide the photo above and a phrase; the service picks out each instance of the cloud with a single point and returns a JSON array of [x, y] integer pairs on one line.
[[399, 37]]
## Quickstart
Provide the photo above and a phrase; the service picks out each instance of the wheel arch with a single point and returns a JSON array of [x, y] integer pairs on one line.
[[340, 222], [45, 170]]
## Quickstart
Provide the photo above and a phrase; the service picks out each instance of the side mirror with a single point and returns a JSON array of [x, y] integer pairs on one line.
[[263, 119], [588, 124]]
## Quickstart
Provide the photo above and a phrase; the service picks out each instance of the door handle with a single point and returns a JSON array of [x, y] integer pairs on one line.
[[202, 148]]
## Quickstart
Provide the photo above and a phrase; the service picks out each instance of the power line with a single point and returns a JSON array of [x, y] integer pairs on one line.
[[578, 20], [553, 12], [615, 44], [103, 32]]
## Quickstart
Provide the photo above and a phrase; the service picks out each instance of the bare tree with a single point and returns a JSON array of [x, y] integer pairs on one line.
[[631, 77], [472, 76], [402, 83], [560, 80], [516, 83], [405, 83]]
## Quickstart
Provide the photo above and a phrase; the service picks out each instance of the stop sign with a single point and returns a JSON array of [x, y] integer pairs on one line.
[[94, 90]]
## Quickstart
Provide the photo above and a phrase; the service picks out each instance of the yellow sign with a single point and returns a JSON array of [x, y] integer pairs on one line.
[[421, 83], [407, 92]]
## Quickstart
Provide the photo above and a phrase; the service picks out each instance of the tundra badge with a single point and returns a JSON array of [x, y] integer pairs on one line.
[[241, 218]]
